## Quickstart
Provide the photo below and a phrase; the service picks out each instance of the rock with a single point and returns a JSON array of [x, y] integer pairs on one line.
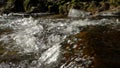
[[104, 41], [108, 14], [73, 53], [78, 13], [97, 44], [64, 9]]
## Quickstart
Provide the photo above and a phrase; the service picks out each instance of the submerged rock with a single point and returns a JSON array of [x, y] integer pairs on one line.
[[98, 46], [73, 52], [104, 42]]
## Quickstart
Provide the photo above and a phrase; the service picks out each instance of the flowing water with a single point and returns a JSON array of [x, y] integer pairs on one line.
[[36, 42]]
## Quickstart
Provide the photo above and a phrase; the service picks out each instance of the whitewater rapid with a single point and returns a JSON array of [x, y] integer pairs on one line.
[[41, 37]]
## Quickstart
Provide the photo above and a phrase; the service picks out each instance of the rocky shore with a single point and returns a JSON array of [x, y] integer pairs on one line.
[[57, 7]]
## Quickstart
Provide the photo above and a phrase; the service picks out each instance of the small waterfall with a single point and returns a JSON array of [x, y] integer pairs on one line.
[[36, 43]]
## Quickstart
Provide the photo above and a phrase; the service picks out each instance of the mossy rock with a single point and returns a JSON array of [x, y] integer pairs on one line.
[[64, 9], [28, 7], [9, 6]]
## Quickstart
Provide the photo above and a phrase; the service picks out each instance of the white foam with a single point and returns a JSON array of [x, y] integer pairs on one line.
[[43, 36], [50, 55]]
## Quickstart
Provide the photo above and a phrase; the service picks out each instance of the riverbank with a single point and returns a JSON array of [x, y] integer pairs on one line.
[[56, 7]]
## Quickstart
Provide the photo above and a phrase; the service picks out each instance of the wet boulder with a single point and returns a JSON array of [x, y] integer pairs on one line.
[[95, 47], [73, 52], [78, 13], [103, 41]]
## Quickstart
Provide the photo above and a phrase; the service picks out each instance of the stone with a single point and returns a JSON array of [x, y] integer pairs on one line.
[[97, 47], [103, 41], [78, 13]]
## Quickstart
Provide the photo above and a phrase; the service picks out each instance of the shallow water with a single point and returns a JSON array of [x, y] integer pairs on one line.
[[36, 43]]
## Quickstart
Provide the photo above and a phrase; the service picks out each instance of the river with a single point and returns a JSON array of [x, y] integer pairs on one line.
[[27, 42]]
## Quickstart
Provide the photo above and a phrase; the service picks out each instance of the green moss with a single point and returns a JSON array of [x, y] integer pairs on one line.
[[61, 6], [64, 9], [10, 4], [26, 5]]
